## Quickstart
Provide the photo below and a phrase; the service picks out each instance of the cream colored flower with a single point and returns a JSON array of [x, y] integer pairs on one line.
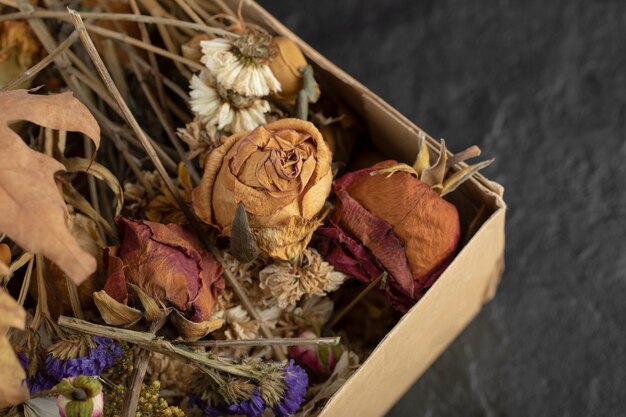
[[223, 109], [241, 65], [198, 138], [287, 281]]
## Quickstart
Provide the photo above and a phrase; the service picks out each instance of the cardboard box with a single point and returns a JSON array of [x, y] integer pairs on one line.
[[458, 295]]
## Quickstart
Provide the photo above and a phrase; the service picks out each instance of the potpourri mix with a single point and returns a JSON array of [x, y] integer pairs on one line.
[[191, 221]]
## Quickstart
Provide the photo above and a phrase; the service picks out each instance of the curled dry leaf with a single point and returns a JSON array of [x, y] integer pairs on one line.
[[12, 390], [32, 211]]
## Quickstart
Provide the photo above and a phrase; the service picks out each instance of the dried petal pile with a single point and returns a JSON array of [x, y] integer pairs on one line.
[[239, 268]]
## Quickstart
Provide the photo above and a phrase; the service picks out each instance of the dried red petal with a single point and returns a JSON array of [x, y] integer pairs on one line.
[[372, 231], [167, 262], [346, 254]]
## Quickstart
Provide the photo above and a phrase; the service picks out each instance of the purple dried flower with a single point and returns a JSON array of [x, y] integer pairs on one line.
[[253, 407], [38, 382], [296, 381], [101, 355]]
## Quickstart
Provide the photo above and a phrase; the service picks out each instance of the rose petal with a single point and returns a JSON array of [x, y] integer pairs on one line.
[[346, 254], [427, 225], [373, 232]]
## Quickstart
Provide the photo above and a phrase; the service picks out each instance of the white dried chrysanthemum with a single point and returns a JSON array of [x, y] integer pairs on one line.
[[223, 109], [287, 281], [241, 65]]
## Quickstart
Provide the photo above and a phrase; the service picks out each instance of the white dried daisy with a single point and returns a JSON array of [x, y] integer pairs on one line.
[[223, 109], [285, 282], [241, 65]]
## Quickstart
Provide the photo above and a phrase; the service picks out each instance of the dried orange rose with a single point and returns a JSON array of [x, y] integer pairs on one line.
[[394, 223], [280, 173]]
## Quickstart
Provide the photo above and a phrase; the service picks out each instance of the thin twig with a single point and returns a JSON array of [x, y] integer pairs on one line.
[[131, 399], [153, 67], [232, 281], [189, 11], [287, 341], [165, 122], [149, 342], [140, 44], [26, 282], [139, 18], [356, 299]]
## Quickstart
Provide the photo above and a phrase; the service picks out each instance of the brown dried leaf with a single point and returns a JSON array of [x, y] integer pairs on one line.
[[12, 390], [32, 211]]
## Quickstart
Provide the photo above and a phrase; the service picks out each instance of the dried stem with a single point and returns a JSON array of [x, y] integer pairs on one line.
[[356, 299], [74, 299], [149, 342], [26, 283], [469, 153], [178, 60], [165, 122], [153, 67], [149, 148], [140, 367], [189, 11], [288, 341], [139, 18]]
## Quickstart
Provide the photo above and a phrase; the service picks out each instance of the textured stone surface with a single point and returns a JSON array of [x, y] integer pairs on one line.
[[540, 85]]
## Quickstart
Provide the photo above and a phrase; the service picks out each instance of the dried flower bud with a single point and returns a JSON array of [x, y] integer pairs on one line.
[[280, 172], [80, 397], [168, 264], [285, 66], [320, 360], [408, 228]]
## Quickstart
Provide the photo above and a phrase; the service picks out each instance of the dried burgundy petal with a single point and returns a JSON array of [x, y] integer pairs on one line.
[[346, 254], [167, 262], [373, 232], [353, 259]]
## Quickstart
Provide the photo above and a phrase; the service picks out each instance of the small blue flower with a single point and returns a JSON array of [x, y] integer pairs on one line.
[[296, 381]]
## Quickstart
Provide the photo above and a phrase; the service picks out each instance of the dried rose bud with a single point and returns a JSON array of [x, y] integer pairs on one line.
[[409, 229], [81, 396], [321, 360], [285, 65], [168, 264], [280, 173]]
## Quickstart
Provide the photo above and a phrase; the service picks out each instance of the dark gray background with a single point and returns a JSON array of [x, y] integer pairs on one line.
[[540, 85]]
